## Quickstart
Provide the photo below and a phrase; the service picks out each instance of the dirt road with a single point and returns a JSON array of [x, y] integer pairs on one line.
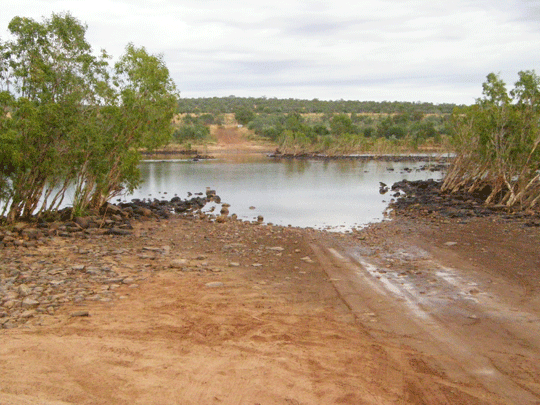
[[408, 312]]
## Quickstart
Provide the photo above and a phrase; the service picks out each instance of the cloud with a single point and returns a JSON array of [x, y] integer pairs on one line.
[[414, 50]]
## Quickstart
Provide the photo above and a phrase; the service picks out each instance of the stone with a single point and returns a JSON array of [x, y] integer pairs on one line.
[[28, 313], [118, 232], [214, 284], [79, 267], [24, 290], [80, 314], [221, 219], [276, 248], [9, 304], [29, 303], [83, 222], [178, 263], [307, 259], [450, 243], [234, 264], [19, 226]]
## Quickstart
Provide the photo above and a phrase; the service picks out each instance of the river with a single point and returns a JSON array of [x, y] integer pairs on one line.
[[335, 194]]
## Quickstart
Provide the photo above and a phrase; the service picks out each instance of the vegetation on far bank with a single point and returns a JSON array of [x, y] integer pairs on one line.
[[332, 134]]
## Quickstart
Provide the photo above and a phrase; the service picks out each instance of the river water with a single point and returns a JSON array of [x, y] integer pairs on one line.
[[337, 195]]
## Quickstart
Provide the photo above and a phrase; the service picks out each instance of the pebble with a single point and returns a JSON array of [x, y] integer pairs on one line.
[[307, 259], [178, 263], [214, 284], [80, 314]]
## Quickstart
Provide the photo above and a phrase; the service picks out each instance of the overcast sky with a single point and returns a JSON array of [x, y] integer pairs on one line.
[[396, 50]]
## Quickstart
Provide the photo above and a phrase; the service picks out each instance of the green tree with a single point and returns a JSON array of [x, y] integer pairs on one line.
[[68, 118], [244, 115], [342, 124], [497, 143]]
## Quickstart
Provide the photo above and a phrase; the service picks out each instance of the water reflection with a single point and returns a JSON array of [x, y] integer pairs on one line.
[[339, 194]]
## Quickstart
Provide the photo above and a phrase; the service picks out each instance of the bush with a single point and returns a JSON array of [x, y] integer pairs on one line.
[[497, 143], [192, 132]]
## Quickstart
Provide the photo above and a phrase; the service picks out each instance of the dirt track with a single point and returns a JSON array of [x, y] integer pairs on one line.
[[392, 315]]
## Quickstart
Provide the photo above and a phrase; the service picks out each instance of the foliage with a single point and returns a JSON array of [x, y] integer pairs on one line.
[[339, 133], [496, 141], [264, 105], [244, 115], [68, 118], [191, 132]]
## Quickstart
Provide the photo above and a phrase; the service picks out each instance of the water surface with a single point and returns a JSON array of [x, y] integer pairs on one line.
[[338, 194]]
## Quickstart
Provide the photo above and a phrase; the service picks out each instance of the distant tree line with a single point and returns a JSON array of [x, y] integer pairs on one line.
[[231, 104]]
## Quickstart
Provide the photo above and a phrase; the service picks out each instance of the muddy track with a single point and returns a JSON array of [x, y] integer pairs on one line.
[[480, 344]]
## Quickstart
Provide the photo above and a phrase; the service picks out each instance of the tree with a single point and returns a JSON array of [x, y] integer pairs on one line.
[[497, 144], [244, 115], [341, 124], [67, 118]]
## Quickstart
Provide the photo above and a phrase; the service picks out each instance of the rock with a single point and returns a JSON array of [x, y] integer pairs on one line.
[[80, 314], [79, 267], [178, 263], [276, 248], [221, 219], [31, 233], [307, 259], [145, 212], [451, 243], [83, 222], [260, 218], [19, 226], [152, 249], [214, 284], [8, 239], [111, 209], [234, 264], [28, 313], [24, 290], [29, 303], [118, 232]]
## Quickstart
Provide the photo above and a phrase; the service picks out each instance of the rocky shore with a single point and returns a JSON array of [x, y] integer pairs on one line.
[[425, 198], [44, 264]]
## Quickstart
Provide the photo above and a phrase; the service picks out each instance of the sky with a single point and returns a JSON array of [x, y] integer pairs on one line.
[[376, 50]]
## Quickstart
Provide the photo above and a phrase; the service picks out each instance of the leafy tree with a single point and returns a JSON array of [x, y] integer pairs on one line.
[[497, 143], [191, 132], [342, 124], [68, 118], [244, 115]]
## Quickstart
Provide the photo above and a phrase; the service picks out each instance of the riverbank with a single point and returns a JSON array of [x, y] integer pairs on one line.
[[184, 310]]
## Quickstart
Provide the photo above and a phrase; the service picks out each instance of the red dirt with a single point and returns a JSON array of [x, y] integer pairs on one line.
[[388, 315]]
